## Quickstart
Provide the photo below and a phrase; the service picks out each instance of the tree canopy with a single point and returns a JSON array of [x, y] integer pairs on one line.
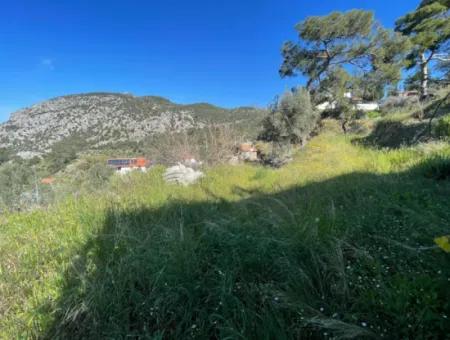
[[428, 26], [345, 44], [429, 30], [291, 118]]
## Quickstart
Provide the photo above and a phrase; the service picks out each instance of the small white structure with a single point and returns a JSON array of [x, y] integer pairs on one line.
[[326, 106], [367, 107], [192, 163], [357, 104], [125, 171], [181, 174], [348, 95]]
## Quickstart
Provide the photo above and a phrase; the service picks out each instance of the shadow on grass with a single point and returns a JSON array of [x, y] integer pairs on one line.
[[437, 108], [335, 258], [394, 134]]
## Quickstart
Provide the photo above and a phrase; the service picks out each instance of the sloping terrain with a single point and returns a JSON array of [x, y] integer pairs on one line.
[[338, 244], [100, 119]]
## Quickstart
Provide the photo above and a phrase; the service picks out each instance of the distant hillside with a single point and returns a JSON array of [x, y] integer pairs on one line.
[[101, 119]]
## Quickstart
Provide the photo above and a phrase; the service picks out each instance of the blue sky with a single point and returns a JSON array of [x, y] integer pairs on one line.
[[223, 52]]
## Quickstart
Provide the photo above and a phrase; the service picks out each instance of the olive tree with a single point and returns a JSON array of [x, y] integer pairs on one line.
[[291, 118]]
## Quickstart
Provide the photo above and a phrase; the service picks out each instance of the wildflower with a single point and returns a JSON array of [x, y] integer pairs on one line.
[[443, 242], [364, 324]]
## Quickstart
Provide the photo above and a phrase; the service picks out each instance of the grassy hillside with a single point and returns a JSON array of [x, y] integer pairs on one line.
[[338, 243]]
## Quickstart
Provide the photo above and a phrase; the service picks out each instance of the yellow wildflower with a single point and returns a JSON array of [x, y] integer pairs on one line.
[[443, 242]]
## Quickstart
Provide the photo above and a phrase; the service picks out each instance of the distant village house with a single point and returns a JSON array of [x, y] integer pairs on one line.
[[358, 104], [124, 165]]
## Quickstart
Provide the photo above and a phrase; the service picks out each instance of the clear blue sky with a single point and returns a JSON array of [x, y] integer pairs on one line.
[[225, 52]]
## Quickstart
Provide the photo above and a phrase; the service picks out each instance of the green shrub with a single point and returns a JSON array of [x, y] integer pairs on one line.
[[15, 179], [276, 155], [291, 119], [63, 153], [393, 104], [5, 155], [442, 128], [98, 175], [373, 114]]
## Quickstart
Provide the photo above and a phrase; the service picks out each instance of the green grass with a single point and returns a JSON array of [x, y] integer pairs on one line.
[[442, 128], [338, 243]]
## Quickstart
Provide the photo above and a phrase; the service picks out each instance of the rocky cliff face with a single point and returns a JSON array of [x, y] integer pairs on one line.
[[106, 118]]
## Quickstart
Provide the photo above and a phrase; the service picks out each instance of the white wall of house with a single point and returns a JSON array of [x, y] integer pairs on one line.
[[368, 106], [361, 107], [326, 106], [124, 171]]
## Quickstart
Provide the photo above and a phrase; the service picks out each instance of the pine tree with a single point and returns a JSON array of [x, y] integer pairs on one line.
[[349, 42], [429, 29]]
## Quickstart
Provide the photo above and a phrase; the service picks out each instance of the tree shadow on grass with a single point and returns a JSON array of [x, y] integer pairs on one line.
[[395, 134], [325, 258]]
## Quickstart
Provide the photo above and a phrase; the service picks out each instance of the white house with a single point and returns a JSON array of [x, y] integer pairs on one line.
[[365, 107]]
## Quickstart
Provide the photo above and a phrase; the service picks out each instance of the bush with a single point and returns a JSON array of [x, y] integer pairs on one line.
[[442, 128], [88, 174], [5, 155], [211, 145], [274, 155], [291, 119], [63, 153], [393, 103], [15, 179], [98, 175], [373, 114]]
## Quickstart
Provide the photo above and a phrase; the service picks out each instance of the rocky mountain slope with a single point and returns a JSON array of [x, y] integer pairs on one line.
[[106, 118]]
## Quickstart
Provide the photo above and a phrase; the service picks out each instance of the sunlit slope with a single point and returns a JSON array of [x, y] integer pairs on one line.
[[337, 243]]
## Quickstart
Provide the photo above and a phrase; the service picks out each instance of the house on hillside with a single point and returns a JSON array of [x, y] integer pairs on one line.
[[125, 165], [248, 152], [358, 104], [48, 180]]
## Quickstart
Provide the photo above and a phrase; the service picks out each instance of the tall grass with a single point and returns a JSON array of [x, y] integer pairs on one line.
[[338, 244]]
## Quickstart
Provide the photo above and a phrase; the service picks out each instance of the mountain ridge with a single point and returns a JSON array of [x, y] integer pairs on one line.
[[105, 118]]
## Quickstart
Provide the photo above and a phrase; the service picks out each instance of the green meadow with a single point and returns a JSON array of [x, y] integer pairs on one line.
[[337, 244]]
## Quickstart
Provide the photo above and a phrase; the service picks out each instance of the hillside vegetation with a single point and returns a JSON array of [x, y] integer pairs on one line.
[[99, 120], [338, 230], [339, 243]]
